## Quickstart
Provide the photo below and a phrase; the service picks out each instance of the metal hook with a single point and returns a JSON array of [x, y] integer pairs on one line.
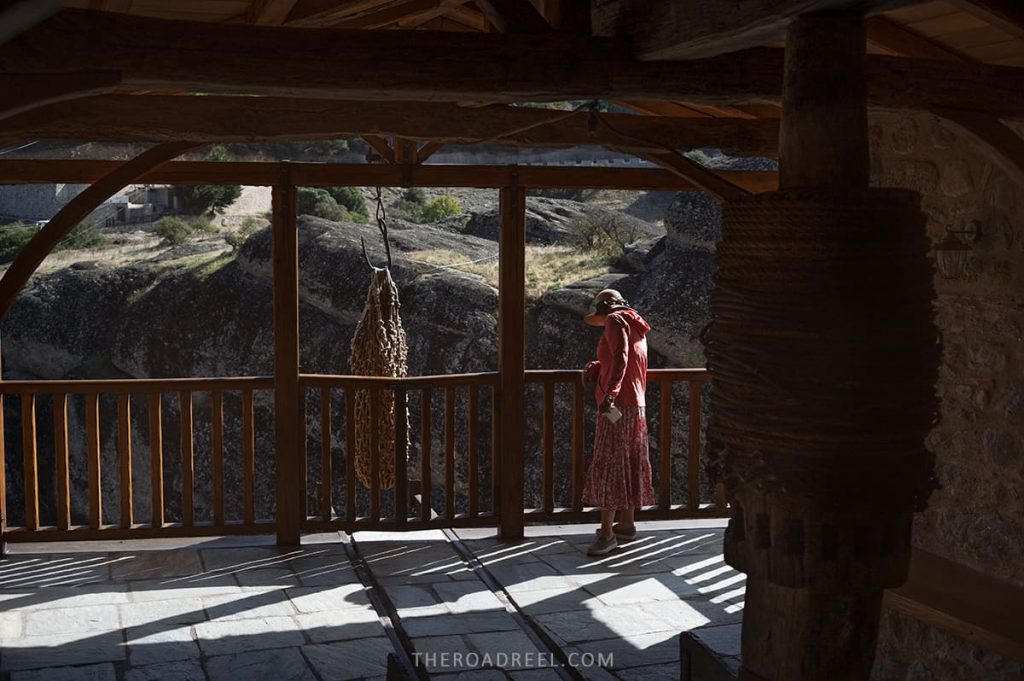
[[382, 225]]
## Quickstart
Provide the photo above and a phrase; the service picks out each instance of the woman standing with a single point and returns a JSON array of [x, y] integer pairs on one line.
[[619, 478]]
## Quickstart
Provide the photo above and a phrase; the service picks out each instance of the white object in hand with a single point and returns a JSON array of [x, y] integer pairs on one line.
[[613, 414]]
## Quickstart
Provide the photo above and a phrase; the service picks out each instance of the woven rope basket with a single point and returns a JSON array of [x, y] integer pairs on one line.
[[378, 349]]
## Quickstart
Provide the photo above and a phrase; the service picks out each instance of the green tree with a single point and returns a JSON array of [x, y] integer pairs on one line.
[[174, 231], [440, 208], [85, 235], [319, 202], [200, 199], [13, 238], [352, 200]]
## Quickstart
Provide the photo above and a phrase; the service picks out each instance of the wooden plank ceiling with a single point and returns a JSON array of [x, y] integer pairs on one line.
[[974, 30]]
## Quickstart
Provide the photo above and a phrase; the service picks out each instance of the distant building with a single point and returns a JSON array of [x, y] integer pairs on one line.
[[33, 202]]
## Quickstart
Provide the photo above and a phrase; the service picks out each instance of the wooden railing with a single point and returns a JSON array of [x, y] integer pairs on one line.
[[451, 478], [663, 384], [432, 403], [106, 410]]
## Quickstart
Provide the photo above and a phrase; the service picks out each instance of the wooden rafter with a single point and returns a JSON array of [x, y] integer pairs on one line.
[[188, 56], [513, 16], [427, 150], [467, 17], [443, 8], [690, 29], [386, 15], [227, 119], [24, 93], [1006, 14], [20, 15], [1007, 146], [366, 175], [269, 12], [119, 177], [322, 13], [381, 146], [111, 5], [713, 183]]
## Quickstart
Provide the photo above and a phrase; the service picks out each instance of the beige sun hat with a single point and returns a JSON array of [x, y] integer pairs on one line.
[[604, 302]]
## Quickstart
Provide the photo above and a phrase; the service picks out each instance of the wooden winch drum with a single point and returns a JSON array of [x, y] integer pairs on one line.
[[824, 355]]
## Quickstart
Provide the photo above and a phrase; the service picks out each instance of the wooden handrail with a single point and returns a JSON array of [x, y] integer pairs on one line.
[[385, 382], [135, 385]]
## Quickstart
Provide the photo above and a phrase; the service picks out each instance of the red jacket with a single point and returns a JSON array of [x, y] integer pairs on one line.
[[621, 366]]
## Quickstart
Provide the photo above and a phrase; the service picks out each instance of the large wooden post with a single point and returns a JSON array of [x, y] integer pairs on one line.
[[511, 360], [288, 426], [824, 356]]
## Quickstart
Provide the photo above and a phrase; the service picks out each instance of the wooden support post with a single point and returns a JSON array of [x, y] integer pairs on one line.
[[823, 138], [286, 365], [812, 631], [511, 359]]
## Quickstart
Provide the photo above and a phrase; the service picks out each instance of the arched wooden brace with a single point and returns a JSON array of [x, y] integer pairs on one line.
[[1007, 146], [30, 257], [24, 92]]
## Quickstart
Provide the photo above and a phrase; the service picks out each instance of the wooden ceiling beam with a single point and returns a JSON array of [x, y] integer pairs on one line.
[[367, 175], [21, 15], [1005, 14], [905, 42], [442, 9], [513, 16], [321, 13], [225, 119], [692, 29], [24, 93], [269, 12], [427, 66], [386, 15]]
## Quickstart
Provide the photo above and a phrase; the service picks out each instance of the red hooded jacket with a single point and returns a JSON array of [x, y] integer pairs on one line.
[[621, 366]]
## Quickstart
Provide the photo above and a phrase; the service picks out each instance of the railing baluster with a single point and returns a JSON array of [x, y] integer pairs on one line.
[[60, 451], [350, 455], [248, 459], [124, 457], [548, 448], [217, 455], [693, 460], [3, 469], [401, 454], [426, 447], [92, 439], [665, 445], [186, 448], [326, 469], [449, 452], [495, 484], [28, 448], [578, 442], [374, 455], [156, 455], [474, 457]]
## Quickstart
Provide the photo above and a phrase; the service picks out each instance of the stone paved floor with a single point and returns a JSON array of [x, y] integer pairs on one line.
[[239, 608]]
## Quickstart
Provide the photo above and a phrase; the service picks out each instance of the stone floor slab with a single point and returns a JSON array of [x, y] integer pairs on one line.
[[248, 605], [61, 650], [156, 565], [180, 670], [318, 598], [343, 625], [174, 588], [92, 672], [71, 620], [507, 650], [467, 597], [285, 664], [234, 636], [160, 643], [176, 611], [468, 623], [63, 597], [43, 570], [350, 659]]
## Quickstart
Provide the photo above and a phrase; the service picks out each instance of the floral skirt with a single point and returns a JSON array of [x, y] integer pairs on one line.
[[620, 472]]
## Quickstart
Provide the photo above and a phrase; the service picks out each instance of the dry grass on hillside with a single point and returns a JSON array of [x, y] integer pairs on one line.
[[547, 267]]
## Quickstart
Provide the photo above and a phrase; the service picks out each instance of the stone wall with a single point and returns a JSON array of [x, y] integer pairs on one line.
[[35, 201], [977, 517]]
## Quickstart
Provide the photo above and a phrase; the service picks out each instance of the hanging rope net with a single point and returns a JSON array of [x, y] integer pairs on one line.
[[378, 349]]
